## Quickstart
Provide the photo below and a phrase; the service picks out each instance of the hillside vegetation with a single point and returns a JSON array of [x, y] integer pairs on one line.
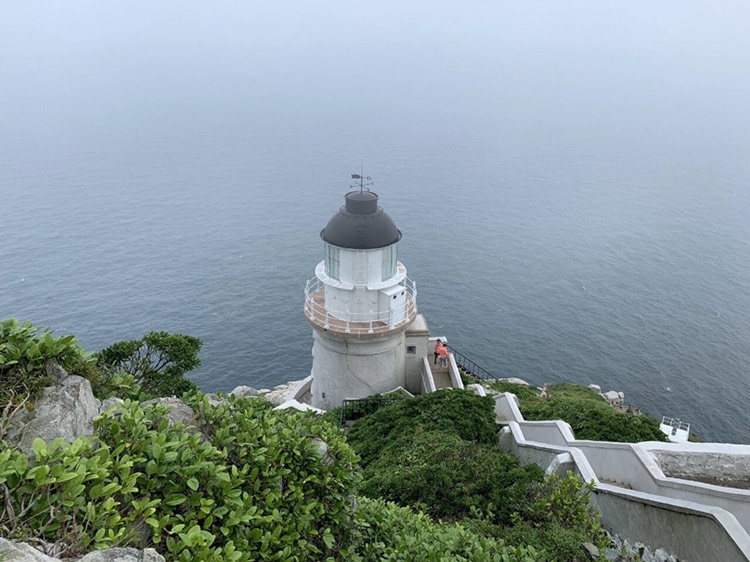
[[590, 416], [438, 453], [251, 483]]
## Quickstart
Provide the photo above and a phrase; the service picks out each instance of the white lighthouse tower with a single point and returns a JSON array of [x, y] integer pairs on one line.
[[361, 304]]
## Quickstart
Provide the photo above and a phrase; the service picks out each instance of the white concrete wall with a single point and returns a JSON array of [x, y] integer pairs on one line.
[[455, 376], [416, 336], [355, 369], [689, 531]]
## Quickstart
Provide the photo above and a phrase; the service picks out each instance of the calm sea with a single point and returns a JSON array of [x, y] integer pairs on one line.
[[572, 184]]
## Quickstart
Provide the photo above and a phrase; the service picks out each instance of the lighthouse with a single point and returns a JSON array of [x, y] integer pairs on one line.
[[362, 308]]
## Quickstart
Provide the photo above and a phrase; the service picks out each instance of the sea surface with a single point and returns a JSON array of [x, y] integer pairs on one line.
[[572, 183]]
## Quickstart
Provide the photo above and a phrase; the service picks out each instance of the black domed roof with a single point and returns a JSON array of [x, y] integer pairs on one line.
[[361, 224]]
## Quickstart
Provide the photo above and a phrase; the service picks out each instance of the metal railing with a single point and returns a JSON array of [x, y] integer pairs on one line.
[[469, 366], [675, 423], [352, 410], [371, 322]]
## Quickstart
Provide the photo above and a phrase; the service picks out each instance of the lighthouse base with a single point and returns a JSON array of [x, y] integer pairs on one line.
[[352, 369]]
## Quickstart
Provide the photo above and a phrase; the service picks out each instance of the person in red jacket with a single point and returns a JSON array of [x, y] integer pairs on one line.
[[443, 353], [438, 345]]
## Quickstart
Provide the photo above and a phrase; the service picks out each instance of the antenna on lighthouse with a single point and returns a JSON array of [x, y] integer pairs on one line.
[[362, 178]]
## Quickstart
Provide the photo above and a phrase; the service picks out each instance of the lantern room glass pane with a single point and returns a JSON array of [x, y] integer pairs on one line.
[[332, 261], [390, 259]]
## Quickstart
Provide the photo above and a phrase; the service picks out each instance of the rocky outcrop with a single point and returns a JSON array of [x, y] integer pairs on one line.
[[65, 411], [244, 392], [21, 552], [123, 555], [179, 412], [614, 398], [515, 380], [281, 393]]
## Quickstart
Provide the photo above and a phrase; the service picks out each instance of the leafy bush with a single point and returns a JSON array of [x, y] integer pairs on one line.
[[259, 486], [392, 533], [106, 385], [471, 417], [25, 351], [158, 361], [590, 416], [449, 477], [520, 390], [420, 453]]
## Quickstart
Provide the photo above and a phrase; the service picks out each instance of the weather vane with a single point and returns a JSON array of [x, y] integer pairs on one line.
[[362, 179]]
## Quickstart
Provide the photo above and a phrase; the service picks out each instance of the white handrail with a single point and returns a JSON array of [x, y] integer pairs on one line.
[[370, 322]]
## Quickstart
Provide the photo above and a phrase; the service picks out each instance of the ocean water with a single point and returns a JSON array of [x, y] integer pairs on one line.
[[572, 184]]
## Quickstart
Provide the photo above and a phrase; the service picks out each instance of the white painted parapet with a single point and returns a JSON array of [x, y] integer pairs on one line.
[[428, 383], [454, 373]]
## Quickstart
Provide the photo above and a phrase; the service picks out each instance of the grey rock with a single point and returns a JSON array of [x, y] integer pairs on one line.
[[65, 411], [113, 555], [178, 411], [56, 372], [661, 555], [150, 555], [612, 396], [592, 550], [320, 448], [123, 555], [244, 392], [21, 552], [596, 387], [614, 555], [280, 393], [515, 380], [215, 400], [110, 403]]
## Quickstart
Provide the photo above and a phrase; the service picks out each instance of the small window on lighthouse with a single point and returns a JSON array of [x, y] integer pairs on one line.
[[332, 261]]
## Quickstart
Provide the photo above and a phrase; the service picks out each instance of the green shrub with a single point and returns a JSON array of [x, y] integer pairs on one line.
[[556, 517], [449, 477], [420, 453], [471, 417], [391, 533], [590, 416], [255, 486], [158, 361], [520, 390], [25, 351], [106, 385]]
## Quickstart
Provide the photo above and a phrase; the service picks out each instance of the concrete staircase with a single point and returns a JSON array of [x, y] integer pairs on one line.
[[693, 520]]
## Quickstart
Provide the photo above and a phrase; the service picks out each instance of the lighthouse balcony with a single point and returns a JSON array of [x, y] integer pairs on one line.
[[357, 324]]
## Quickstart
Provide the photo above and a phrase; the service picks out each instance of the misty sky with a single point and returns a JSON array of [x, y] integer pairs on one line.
[[677, 63]]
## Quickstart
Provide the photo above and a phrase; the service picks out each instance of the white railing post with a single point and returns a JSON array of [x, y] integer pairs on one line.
[[348, 314], [327, 324], [370, 330]]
